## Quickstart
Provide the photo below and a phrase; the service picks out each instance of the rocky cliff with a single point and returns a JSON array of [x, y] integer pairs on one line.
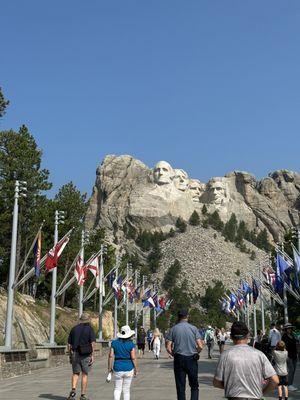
[[128, 193], [31, 322], [205, 255]]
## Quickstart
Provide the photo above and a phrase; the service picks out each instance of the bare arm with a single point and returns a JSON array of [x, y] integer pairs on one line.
[[218, 384], [200, 345], [272, 384], [111, 356], [92, 355], [169, 347], [134, 360]]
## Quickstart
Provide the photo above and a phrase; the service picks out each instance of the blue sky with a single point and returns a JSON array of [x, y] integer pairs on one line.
[[210, 86]]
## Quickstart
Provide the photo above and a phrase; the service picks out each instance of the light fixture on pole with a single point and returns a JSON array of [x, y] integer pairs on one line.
[[59, 217], [20, 191]]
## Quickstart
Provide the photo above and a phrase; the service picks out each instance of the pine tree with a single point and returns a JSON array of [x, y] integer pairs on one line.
[[211, 302], [241, 232], [171, 233], [153, 258], [181, 225], [204, 209], [230, 228], [20, 159], [3, 103], [171, 276], [215, 221], [194, 219], [144, 240], [262, 240], [253, 255]]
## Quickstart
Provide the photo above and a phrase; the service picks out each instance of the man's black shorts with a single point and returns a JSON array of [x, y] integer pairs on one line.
[[283, 381]]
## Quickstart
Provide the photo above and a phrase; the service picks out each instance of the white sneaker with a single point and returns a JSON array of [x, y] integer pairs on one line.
[[292, 388]]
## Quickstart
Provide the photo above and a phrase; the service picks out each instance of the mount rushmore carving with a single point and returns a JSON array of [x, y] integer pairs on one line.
[[127, 192]]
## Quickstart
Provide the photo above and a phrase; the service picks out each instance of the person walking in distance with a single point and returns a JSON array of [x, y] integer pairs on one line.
[[291, 345], [122, 362], [209, 339], [221, 337], [149, 339], [274, 336], [184, 344], [280, 357], [156, 345], [81, 344], [242, 369], [141, 341]]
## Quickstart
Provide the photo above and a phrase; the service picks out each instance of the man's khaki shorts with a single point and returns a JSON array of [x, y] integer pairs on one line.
[[81, 363]]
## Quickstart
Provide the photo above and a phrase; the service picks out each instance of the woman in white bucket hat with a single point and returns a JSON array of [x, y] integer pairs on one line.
[[122, 361]]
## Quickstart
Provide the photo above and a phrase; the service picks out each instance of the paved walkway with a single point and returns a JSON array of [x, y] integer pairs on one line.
[[154, 382]]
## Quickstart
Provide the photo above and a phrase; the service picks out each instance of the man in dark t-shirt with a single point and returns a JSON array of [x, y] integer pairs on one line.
[[291, 345], [81, 343]]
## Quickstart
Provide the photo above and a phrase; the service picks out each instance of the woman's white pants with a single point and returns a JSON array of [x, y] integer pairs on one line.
[[156, 348], [123, 381]]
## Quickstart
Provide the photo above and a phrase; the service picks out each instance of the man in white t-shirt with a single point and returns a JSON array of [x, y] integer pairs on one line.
[[274, 336]]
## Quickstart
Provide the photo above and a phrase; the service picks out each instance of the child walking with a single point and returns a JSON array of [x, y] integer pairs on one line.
[[280, 357]]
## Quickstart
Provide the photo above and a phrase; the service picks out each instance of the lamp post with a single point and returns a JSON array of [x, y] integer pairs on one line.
[[116, 301], [84, 238], [143, 311], [58, 219], [128, 273], [136, 277], [103, 251], [20, 190]]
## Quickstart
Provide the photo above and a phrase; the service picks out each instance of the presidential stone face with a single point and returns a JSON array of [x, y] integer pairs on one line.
[[163, 173], [195, 189], [217, 190], [181, 180]]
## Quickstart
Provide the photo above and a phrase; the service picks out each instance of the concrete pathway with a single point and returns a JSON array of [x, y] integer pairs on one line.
[[154, 382]]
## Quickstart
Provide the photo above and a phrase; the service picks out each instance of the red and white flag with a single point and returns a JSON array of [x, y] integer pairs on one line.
[[93, 266], [54, 254], [79, 271]]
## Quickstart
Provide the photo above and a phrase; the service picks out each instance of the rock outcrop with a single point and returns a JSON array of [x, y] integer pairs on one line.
[[128, 193], [31, 322], [205, 256]]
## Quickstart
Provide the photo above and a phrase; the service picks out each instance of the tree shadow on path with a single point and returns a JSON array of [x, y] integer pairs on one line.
[[51, 397]]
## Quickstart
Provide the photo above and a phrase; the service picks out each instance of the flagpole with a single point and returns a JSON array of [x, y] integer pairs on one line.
[[285, 302], [126, 294], [144, 278], [248, 315], [116, 302], [135, 304], [254, 320], [20, 187], [101, 293], [58, 217], [80, 304]]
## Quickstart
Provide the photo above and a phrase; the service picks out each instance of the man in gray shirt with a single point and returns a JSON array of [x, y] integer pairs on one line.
[[183, 342], [242, 369]]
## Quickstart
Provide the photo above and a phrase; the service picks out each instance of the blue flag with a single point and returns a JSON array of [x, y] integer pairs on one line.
[[233, 301], [282, 264], [296, 260], [278, 284]]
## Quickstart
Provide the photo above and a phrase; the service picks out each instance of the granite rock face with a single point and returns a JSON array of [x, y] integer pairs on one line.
[[128, 193], [205, 256]]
